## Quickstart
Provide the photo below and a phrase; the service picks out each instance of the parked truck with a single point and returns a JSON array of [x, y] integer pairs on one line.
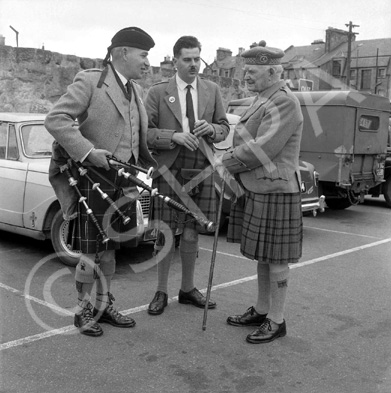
[[345, 137]]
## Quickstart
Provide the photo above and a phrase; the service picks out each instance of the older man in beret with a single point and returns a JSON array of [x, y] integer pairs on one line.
[[264, 159], [101, 114]]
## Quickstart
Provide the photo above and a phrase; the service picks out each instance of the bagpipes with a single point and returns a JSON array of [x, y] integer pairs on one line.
[[120, 166], [210, 226]]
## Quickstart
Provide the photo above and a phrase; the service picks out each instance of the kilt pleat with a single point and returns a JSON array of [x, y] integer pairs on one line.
[[202, 203], [269, 227]]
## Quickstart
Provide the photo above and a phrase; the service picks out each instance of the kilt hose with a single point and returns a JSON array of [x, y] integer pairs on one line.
[[86, 232], [201, 200], [268, 226]]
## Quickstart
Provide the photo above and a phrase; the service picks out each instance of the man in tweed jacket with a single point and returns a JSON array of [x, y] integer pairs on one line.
[[111, 119], [265, 161], [186, 116]]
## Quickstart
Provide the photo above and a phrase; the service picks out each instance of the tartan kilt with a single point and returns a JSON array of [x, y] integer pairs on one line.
[[202, 203], [86, 232], [268, 226]]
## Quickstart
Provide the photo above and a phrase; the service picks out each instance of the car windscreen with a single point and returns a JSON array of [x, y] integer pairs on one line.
[[37, 142]]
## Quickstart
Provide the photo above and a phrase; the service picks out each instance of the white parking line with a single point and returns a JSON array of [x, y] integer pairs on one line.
[[341, 232], [36, 300], [71, 328]]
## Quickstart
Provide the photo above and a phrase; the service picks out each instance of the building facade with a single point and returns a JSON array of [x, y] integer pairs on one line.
[[323, 65]]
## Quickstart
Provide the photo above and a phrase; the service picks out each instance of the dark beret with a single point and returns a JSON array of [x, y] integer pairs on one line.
[[260, 54], [133, 37]]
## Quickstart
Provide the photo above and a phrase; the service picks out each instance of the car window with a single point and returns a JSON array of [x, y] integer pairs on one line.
[[3, 139], [37, 142], [13, 151]]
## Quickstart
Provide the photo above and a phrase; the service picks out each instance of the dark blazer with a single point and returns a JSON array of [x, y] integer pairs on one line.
[[266, 143], [165, 118]]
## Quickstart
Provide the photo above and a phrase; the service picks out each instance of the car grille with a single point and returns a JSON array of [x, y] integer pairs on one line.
[[145, 200]]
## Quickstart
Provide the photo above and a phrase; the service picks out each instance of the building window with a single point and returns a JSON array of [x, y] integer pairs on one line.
[[336, 68], [353, 75], [381, 73], [366, 76]]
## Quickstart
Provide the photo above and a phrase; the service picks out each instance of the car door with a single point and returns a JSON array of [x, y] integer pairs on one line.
[[12, 176]]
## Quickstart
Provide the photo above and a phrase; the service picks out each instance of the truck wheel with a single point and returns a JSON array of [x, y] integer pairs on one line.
[[387, 191], [338, 203], [59, 236]]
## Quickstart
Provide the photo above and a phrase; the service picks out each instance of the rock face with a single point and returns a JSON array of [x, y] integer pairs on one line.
[[32, 80]]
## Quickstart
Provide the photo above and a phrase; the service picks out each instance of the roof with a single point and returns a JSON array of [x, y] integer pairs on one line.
[[344, 98], [20, 117], [314, 56]]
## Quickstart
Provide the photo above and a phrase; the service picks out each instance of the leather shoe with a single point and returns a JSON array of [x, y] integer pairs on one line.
[[194, 297], [267, 332], [249, 318], [112, 316], [86, 323], [159, 302]]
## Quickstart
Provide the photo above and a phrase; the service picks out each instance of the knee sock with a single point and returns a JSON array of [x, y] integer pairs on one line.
[[163, 267], [83, 295], [188, 251], [84, 276], [263, 302], [103, 285], [278, 289]]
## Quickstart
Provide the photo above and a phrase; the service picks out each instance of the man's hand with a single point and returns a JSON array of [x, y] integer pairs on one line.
[[203, 128], [98, 158], [221, 169], [186, 139]]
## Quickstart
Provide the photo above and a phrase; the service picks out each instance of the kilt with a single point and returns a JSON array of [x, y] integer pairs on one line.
[[202, 203], [268, 226], [86, 232]]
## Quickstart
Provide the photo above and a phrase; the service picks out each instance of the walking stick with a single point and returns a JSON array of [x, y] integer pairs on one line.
[[212, 262]]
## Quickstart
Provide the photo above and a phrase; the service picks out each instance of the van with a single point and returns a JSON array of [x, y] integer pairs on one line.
[[345, 137]]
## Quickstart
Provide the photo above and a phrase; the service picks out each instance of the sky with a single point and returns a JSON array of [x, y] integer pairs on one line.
[[85, 27]]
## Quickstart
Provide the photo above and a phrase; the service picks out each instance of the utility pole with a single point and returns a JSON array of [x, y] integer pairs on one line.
[[17, 36], [350, 35]]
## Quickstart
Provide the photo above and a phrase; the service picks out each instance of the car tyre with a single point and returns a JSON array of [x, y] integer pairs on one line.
[[338, 203], [59, 237]]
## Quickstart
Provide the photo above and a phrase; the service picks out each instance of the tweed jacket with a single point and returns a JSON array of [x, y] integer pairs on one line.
[[165, 118], [266, 143], [100, 113]]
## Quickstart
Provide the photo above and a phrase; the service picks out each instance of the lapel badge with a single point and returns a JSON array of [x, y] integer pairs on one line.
[[171, 99]]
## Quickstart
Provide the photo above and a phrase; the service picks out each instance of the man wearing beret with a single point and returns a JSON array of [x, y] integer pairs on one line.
[[186, 116], [265, 161], [101, 114]]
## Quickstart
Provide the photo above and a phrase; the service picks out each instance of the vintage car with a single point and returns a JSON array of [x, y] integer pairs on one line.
[[311, 200], [28, 205]]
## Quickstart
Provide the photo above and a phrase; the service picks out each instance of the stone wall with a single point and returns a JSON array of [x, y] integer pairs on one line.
[[32, 80]]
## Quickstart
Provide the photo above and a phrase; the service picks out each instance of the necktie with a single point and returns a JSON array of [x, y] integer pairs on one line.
[[128, 89], [190, 108]]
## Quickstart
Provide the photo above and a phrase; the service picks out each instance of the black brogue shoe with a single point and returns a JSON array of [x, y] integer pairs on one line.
[[249, 318], [267, 332]]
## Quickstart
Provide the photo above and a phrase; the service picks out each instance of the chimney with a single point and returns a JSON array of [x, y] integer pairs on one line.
[[2, 40]]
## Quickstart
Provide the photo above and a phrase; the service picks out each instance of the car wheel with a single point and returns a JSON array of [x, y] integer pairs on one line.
[[60, 231], [387, 191], [338, 203]]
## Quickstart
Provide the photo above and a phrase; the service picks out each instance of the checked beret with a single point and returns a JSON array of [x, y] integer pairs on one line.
[[260, 54]]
